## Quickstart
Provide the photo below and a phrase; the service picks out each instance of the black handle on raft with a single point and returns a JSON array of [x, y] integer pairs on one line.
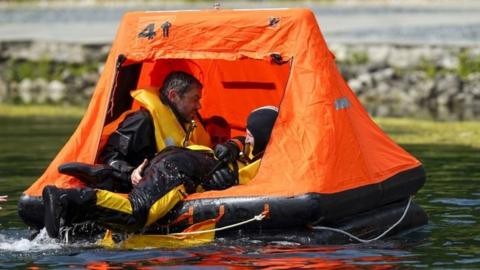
[[120, 60]]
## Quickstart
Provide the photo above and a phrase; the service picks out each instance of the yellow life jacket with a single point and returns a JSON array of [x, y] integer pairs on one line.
[[168, 130], [247, 172]]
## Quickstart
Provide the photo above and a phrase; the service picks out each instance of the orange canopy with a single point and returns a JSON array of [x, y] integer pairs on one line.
[[323, 140]]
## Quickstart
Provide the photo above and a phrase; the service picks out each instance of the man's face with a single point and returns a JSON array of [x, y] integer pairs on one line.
[[249, 142], [188, 104]]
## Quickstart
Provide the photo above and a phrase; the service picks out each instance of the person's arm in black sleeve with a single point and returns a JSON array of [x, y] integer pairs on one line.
[[227, 153], [230, 150], [130, 144]]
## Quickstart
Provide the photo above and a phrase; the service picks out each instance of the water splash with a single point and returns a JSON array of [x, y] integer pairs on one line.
[[40, 243]]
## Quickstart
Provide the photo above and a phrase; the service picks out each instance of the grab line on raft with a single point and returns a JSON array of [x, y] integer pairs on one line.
[[255, 218], [373, 239]]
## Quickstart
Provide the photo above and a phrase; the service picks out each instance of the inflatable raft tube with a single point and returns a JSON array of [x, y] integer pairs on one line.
[[366, 212], [389, 220], [365, 226], [292, 211], [283, 212]]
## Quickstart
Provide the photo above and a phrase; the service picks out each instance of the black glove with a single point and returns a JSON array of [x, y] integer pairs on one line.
[[189, 184], [227, 152], [221, 179]]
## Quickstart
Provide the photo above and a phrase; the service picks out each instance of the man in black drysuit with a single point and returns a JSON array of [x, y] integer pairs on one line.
[[172, 174], [134, 140]]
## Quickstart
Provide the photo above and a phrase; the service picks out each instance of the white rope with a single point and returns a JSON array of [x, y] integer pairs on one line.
[[373, 239], [255, 218]]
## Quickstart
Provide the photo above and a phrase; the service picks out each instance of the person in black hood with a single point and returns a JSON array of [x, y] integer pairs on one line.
[[259, 127], [170, 176]]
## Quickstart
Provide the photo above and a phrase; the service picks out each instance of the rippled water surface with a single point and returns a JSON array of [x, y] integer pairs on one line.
[[451, 198]]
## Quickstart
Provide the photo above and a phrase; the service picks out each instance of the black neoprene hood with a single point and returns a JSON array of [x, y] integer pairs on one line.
[[260, 124]]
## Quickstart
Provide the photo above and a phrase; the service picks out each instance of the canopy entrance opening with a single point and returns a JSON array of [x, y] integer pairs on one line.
[[231, 88]]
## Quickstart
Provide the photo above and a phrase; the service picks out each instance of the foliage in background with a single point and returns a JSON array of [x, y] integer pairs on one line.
[[468, 64], [16, 70], [357, 58]]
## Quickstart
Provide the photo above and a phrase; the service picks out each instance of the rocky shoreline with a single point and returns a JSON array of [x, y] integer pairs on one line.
[[391, 80], [442, 82]]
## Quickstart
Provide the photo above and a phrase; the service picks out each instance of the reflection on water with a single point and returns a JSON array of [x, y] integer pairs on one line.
[[225, 253], [450, 197]]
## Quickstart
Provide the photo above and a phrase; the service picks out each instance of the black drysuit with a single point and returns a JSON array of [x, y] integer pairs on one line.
[[127, 147], [173, 169]]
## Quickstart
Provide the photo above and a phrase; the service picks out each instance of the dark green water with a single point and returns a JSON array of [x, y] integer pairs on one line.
[[451, 198]]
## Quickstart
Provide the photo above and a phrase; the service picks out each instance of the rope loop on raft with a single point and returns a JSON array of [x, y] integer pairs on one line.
[[373, 239], [255, 218]]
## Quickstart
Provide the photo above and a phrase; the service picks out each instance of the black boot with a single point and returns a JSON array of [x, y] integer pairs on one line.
[[88, 173], [66, 207], [56, 205]]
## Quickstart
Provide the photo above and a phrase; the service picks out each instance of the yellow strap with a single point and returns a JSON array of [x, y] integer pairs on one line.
[[142, 241], [107, 240], [112, 200], [198, 147], [161, 207]]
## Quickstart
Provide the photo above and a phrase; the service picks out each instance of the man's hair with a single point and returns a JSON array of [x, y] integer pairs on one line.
[[180, 82]]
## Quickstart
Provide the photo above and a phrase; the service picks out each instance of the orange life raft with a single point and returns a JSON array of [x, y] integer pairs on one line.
[[326, 159]]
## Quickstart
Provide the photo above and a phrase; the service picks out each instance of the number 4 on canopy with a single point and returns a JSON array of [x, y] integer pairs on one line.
[[148, 32]]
